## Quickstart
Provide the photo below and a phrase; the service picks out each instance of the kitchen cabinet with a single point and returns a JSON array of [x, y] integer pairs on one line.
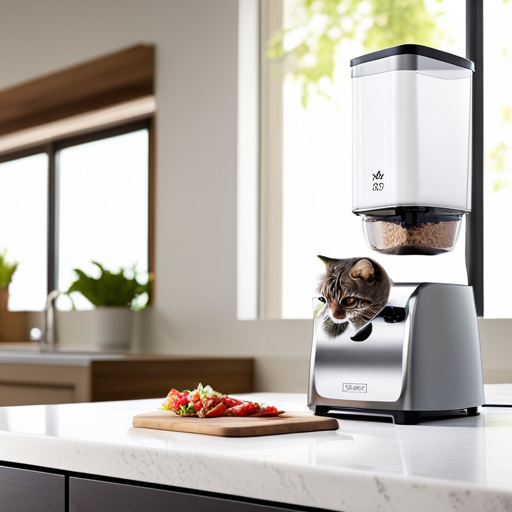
[[34, 490], [87, 495], [23, 490], [32, 379]]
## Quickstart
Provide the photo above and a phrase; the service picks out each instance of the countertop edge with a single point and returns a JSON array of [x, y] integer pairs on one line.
[[293, 484]]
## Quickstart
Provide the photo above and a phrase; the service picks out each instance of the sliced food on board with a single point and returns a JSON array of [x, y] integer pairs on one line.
[[204, 402]]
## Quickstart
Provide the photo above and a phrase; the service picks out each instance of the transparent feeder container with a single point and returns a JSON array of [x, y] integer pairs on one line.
[[412, 230], [411, 165]]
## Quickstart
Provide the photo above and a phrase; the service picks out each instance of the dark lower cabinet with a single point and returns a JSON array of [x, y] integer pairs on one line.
[[96, 496], [34, 489], [23, 490]]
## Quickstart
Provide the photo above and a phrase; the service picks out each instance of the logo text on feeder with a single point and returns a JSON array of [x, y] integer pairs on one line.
[[351, 387], [378, 182]]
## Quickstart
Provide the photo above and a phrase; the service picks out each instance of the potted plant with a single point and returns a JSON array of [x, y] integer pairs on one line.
[[114, 296], [6, 272]]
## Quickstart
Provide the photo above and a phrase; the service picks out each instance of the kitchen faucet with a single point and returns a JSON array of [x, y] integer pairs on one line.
[[49, 338]]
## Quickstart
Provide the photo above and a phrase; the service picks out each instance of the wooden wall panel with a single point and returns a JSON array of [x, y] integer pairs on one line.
[[154, 376], [103, 82]]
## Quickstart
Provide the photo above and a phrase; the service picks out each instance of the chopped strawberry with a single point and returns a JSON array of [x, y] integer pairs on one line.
[[210, 402], [230, 402], [269, 410], [244, 409], [175, 399], [218, 410]]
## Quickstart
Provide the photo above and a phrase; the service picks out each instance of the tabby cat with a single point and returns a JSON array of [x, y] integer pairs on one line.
[[355, 289]]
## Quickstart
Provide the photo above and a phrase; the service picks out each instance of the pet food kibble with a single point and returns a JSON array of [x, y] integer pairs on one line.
[[429, 237]]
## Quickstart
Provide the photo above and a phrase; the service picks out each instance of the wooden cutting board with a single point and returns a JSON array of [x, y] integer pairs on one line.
[[230, 426]]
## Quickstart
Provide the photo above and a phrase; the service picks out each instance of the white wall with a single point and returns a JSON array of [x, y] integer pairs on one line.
[[196, 88]]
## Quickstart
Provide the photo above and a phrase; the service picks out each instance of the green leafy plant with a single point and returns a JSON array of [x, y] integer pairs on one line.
[[6, 270], [110, 289], [308, 49]]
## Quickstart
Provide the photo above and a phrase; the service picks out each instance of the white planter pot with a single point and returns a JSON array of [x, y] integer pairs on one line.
[[111, 328]]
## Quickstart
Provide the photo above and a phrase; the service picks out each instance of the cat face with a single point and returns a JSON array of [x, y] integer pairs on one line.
[[355, 289]]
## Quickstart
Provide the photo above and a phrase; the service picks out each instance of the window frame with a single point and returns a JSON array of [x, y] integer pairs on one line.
[[52, 149], [271, 169], [475, 219]]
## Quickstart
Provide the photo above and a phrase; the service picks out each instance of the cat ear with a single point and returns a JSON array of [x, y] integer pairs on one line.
[[363, 269], [328, 261]]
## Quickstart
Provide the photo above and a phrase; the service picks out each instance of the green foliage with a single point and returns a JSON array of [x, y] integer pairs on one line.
[[110, 289], [506, 114], [6, 270], [312, 56], [498, 156], [498, 160], [400, 22], [325, 24], [499, 185]]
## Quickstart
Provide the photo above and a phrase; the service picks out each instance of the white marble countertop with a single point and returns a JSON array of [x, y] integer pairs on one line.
[[459, 464]]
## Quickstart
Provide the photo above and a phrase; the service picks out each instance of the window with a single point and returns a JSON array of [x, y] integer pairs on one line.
[[498, 158], [23, 213], [77, 171], [102, 206], [314, 43], [72, 202]]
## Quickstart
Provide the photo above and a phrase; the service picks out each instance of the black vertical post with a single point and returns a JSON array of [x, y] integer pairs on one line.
[[475, 220], [53, 225]]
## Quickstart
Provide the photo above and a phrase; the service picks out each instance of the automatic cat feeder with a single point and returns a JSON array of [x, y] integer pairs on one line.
[[420, 356]]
